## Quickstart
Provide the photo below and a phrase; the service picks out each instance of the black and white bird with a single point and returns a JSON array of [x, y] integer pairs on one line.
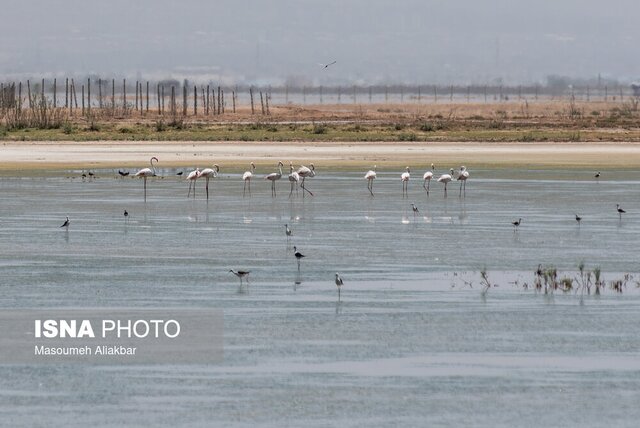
[[287, 231], [339, 284], [620, 211], [328, 65], [597, 175], [66, 223], [179, 173], [123, 173], [297, 254], [578, 219], [415, 209], [241, 274], [516, 224], [126, 214]]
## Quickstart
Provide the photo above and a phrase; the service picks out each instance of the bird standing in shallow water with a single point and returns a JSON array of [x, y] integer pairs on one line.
[[287, 231], [516, 224], [66, 223], [405, 181], [241, 274], [246, 177], [370, 176], [597, 175], [339, 284], [415, 209], [126, 214], [299, 256], [620, 211], [578, 219]]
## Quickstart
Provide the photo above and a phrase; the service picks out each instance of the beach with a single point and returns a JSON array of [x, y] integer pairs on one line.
[[33, 156]]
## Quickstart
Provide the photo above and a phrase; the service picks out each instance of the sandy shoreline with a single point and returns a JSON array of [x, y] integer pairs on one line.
[[129, 154]]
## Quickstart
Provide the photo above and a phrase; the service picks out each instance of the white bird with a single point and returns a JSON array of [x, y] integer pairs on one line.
[[427, 179], [463, 175], [294, 179], [246, 177], [304, 173], [209, 173], [405, 181], [146, 173], [66, 223], [192, 178], [241, 274], [339, 284], [446, 178], [273, 177], [328, 65], [370, 176]]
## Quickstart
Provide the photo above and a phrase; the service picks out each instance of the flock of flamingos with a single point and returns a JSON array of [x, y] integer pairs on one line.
[[297, 178]]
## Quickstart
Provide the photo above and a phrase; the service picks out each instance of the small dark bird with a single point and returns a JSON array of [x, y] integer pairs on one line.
[[240, 274], [578, 219], [339, 284], [415, 209], [287, 231], [516, 224], [180, 173], [126, 214], [123, 173], [620, 211], [66, 223], [327, 65], [298, 254], [597, 175], [91, 174], [84, 176]]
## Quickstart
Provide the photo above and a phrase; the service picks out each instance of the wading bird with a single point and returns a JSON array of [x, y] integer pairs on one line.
[[209, 173], [370, 176], [427, 179], [126, 214], [123, 173], [620, 211], [306, 172], [463, 175], [179, 174], [287, 231], [516, 224], [578, 219], [66, 223], [246, 177], [192, 178], [415, 209], [241, 274], [597, 175], [298, 255], [294, 179], [446, 178], [273, 177], [146, 173], [405, 181], [339, 284]]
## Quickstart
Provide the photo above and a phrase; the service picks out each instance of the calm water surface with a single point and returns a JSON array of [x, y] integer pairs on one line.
[[410, 343]]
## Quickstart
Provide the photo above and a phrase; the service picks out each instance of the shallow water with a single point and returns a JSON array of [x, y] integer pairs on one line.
[[410, 342]]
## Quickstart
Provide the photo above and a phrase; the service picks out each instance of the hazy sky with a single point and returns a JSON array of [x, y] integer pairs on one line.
[[444, 41]]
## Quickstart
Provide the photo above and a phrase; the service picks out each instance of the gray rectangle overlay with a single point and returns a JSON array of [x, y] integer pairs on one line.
[[111, 336]]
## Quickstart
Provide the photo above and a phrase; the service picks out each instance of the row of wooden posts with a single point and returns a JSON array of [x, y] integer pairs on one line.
[[209, 100], [212, 100]]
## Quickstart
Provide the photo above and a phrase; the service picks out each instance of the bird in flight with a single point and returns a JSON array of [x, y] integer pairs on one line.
[[328, 65]]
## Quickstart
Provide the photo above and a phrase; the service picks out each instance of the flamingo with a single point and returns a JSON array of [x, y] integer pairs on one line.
[[241, 274], [294, 179], [246, 177], [209, 173], [147, 172], [370, 176], [462, 178], [405, 181], [305, 172], [620, 211], [427, 179], [445, 178], [516, 224], [339, 284], [66, 223], [275, 176], [192, 177]]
